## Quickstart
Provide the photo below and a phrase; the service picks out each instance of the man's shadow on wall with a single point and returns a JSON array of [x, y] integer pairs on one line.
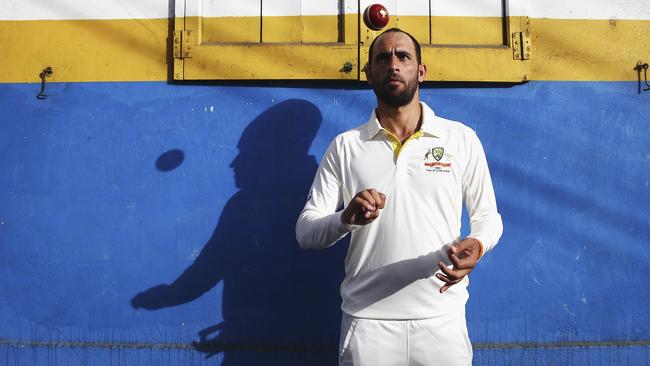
[[280, 303]]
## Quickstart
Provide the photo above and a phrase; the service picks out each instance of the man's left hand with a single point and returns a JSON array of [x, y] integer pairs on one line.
[[463, 256]]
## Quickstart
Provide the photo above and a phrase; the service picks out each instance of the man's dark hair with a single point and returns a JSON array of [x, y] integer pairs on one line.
[[418, 49]]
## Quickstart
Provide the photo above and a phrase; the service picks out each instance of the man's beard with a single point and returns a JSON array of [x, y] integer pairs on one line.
[[392, 97]]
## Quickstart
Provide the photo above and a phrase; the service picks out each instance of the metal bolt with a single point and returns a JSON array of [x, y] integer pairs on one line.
[[347, 67]]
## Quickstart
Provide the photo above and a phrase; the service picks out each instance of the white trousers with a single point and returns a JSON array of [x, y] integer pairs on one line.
[[423, 342]]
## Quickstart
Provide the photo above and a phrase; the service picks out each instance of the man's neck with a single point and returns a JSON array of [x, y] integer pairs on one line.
[[400, 121]]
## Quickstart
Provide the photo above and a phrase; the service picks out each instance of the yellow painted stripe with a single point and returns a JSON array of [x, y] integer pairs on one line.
[[270, 29], [84, 50], [585, 50], [131, 50], [229, 29], [300, 29]]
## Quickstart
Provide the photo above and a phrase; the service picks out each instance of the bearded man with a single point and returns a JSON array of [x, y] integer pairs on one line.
[[402, 179]]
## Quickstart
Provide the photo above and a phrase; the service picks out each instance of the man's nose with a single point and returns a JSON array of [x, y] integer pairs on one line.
[[393, 63]]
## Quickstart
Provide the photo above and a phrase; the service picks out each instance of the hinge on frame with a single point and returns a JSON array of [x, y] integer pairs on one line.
[[521, 49], [182, 44], [521, 46]]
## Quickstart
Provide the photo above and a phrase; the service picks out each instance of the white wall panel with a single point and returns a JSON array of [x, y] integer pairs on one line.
[[411, 7], [226, 8], [300, 7], [590, 9], [350, 6], [87, 9], [143, 9], [321, 7], [229, 8], [280, 7], [477, 8]]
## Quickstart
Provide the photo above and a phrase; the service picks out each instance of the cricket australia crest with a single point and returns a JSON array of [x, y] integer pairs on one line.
[[432, 161]]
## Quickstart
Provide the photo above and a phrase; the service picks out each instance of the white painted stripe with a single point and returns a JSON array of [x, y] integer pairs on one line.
[[223, 8], [439, 7], [146, 9], [281, 7], [480, 8], [86, 9], [409, 7], [350, 6], [300, 7], [248, 8], [590, 9]]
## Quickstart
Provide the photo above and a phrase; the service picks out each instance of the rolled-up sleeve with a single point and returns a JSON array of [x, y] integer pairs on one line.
[[478, 195], [319, 224]]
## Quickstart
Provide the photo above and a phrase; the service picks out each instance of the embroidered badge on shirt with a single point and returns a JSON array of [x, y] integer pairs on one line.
[[432, 161]]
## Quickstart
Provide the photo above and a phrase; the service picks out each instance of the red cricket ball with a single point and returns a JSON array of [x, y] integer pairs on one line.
[[375, 16]]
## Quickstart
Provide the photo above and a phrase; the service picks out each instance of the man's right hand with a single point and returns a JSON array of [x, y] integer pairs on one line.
[[364, 207]]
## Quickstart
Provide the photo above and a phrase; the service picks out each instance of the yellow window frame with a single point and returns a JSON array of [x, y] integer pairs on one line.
[[195, 59]]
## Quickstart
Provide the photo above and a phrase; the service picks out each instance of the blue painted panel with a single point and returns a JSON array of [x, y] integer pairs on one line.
[[136, 218]]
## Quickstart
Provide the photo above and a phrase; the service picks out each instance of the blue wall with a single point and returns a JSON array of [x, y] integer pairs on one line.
[[138, 218]]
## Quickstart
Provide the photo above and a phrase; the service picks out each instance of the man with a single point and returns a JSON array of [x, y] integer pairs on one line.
[[403, 177]]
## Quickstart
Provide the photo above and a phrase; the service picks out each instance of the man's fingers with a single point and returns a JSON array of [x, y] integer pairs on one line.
[[377, 198], [364, 207], [369, 202], [464, 263], [469, 247], [374, 195], [450, 276], [454, 260], [451, 273], [463, 245], [372, 199], [363, 203], [448, 282], [445, 279], [371, 215], [463, 256]]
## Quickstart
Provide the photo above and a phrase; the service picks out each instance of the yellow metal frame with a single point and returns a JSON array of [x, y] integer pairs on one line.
[[248, 60], [449, 62], [339, 61]]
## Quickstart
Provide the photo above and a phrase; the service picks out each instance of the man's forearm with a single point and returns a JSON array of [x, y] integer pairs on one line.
[[487, 229], [315, 231]]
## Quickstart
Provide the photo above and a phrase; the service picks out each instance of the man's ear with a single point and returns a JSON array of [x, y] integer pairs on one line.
[[366, 70], [422, 72]]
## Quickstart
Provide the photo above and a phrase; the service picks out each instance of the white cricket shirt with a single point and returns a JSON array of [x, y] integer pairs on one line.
[[391, 262]]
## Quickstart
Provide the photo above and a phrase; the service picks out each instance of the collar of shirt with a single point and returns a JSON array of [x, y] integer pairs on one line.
[[430, 123]]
